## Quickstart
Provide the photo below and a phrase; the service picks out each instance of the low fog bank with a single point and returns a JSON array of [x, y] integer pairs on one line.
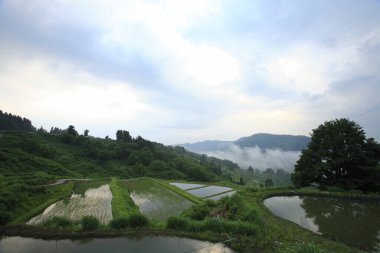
[[258, 158]]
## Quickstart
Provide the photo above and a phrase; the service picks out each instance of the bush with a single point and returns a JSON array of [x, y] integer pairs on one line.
[[58, 222], [89, 223], [177, 223], [5, 215], [137, 220], [250, 215], [212, 224], [119, 223]]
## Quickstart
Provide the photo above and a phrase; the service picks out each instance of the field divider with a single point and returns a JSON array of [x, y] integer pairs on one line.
[[178, 191], [198, 187], [213, 195], [122, 204]]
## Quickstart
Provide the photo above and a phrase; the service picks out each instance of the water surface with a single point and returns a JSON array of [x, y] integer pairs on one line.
[[156, 201], [217, 197], [186, 186], [354, 222], [209, 190], [155, 244]]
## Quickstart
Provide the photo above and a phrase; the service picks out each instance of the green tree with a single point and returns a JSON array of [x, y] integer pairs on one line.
[[71, 131], [268, 182], [339, 155], [86, 132]]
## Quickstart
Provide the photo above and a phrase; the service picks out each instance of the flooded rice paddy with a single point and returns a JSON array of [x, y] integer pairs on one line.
[[154, 200], [209, 191], [95, 202], [354, 222], [185, 186]]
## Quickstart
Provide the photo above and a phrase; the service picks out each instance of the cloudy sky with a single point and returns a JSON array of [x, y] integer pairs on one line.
[[183, 71]]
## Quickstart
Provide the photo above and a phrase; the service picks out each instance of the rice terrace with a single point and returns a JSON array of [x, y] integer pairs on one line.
[[149, 197]]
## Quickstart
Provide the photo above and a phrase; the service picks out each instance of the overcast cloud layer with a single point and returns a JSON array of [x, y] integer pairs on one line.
[[183, 71]]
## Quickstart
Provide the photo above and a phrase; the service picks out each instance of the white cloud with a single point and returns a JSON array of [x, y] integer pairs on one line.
[[258, 158]]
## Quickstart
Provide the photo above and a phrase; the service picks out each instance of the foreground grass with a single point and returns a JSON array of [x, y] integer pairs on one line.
[[268, 233], [122, 204]]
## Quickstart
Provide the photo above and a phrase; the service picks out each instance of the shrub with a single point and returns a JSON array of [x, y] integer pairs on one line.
[[250, 215], [58, 222], [212, 224], [119, 223], [5, 215], [137, 220], [89, 223], [177, 223]]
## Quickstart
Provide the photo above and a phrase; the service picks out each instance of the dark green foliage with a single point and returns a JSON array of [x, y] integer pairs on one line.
[[137, 220], [339, 155], [268, 182], [58, 222], [89, 223], [177, 223], [5, 215], [200, 211], [213, 225], [122, 135], [119, 223], [15, 123], [71, 131]]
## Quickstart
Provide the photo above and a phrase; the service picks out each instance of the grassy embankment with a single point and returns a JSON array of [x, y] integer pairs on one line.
[[279, 235], [271, 233], [122, 204]]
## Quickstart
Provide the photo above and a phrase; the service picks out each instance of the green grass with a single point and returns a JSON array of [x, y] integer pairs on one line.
[[36, 204], [80, 187], [122, 204]]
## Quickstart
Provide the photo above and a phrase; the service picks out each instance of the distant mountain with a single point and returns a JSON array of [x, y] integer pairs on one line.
[[261, 140], [272, 141], [206, 146]]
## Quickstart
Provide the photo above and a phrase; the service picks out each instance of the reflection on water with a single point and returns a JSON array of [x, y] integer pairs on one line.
[[114, 245], [354, 222]]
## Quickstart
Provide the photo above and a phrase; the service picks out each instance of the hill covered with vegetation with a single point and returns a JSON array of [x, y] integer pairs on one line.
[[31, 158]]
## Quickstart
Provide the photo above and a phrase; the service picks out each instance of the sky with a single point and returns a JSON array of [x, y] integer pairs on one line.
[[183, 71]]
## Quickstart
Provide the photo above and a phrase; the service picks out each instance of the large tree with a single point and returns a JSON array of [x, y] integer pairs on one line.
[[339, 155]]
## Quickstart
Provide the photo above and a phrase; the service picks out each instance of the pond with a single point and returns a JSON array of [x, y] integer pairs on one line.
[[354, 222], [209, 191], [156, 201], [114, 245]]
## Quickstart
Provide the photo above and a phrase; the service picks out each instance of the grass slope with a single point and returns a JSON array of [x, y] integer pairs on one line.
[[122, 204]]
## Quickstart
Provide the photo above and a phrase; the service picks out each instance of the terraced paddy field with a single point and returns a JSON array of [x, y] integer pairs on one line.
[[209, 191], [154, 200], [185, 186], [219, 196], [94, 201]]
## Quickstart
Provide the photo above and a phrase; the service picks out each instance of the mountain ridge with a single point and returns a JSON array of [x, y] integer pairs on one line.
[[285, 142]]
